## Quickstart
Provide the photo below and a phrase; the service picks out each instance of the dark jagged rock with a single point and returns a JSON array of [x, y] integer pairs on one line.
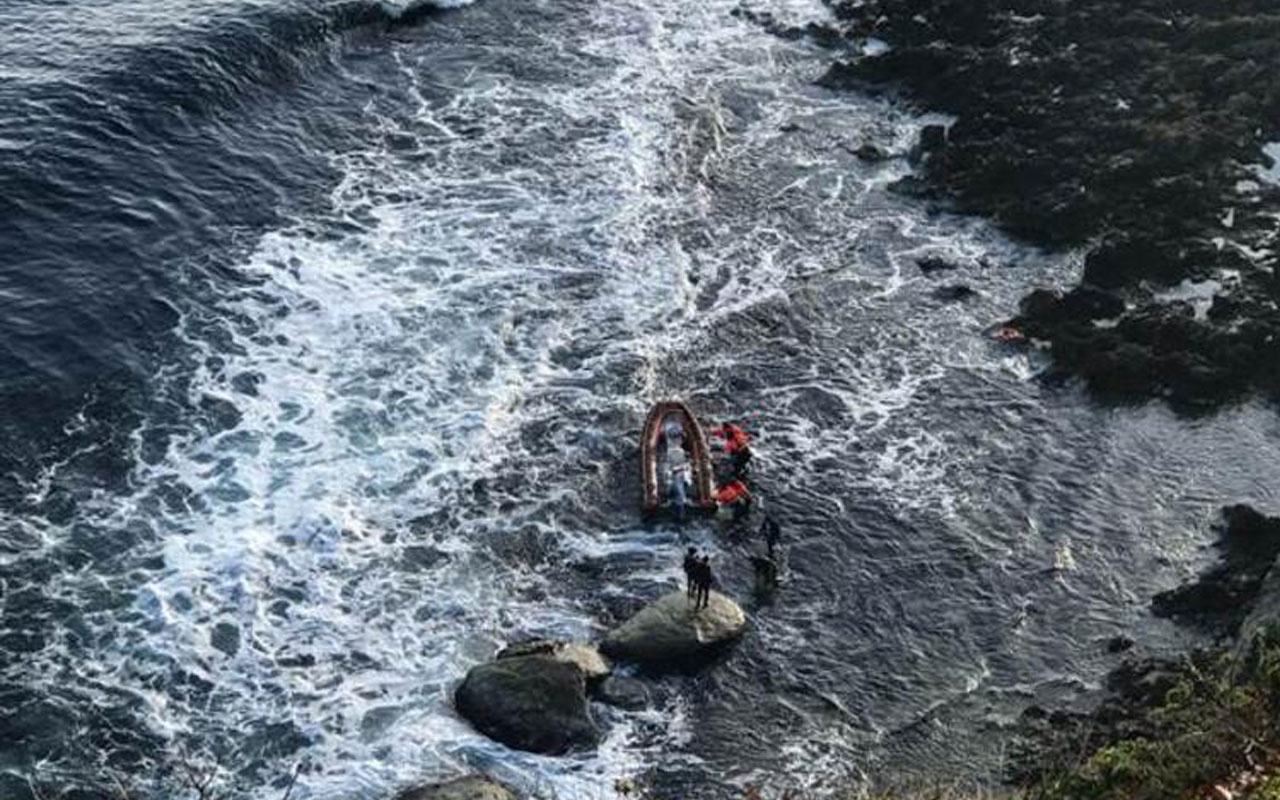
[[535, 703], [1250, 543], [822, 35], [1124, 260], [1084, 304], [872, 152], [954, 292], [1119, 644], [472, 787], [1135, 125], [932, 139], [1142, 683]]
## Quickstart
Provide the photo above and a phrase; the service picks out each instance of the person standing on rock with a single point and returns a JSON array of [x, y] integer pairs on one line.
[[705, 579], [691, 572]]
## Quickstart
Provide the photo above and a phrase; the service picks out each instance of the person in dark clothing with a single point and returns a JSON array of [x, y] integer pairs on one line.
[[766, 574], [771, 532], [705, 579], [690, 572]]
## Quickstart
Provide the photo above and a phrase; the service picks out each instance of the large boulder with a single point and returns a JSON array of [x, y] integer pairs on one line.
[[472, 787], [669, 632], [585, 657], [536, 703]]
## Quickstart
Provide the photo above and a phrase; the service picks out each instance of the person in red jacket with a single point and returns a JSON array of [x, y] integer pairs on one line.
[[737, 446], [735, 495]]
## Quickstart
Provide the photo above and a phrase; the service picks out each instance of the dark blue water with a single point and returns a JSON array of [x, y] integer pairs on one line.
[[329, 331]]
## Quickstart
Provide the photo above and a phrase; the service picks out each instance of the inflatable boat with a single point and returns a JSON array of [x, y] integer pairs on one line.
[[674, 444]]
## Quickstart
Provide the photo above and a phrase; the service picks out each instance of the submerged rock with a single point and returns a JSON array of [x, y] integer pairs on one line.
[[585, 657], [536, 703], [872, 152], [930, 265], [669, 632], [225, 637], [1119, 644], [472, 787], [954, 292], [625, 693]]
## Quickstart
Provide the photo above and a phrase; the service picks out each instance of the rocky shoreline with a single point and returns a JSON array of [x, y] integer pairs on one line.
[[1135, 130], [1168, 725]]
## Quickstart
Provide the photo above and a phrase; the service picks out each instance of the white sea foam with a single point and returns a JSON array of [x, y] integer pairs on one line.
[[490, 301]]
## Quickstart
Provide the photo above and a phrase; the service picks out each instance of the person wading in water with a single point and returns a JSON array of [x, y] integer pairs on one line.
[[737, 446], [736, 496], [771, 532]]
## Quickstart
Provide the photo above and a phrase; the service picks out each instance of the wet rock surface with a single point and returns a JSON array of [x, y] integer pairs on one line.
[[535, 702], [1135, 129], [626, 693]]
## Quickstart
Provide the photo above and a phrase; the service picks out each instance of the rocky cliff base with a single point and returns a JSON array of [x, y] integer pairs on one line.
[[1136, 129], [1181, 727]]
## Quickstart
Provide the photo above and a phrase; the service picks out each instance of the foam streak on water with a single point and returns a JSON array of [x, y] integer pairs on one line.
[[333, 574]]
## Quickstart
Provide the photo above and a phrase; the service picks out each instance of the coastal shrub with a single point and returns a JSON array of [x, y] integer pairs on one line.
[[1219, 719], [1268, 789]]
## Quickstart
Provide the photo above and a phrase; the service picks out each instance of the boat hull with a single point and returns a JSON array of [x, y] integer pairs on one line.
[[699, 453]]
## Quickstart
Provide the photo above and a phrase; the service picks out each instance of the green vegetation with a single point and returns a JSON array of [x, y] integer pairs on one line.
[[1218, 722]]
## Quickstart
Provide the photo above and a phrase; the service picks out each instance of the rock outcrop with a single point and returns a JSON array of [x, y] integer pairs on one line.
[[472, 787], [535, 702], [1133, 127], [1226, 594], [670, 633], [1184, 722]]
